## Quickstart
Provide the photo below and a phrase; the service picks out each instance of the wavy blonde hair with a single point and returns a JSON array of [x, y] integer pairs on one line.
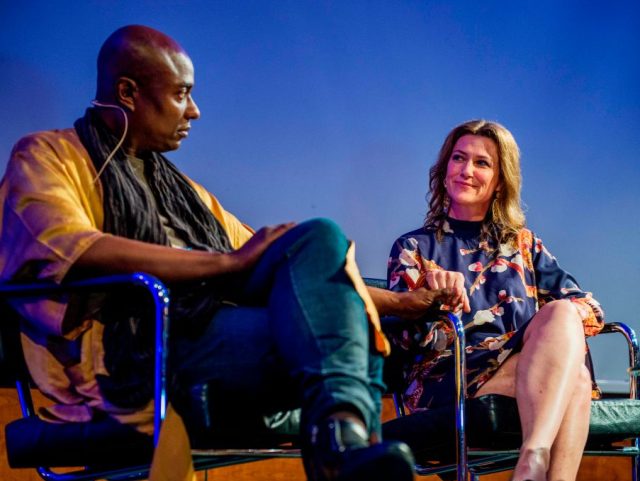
[[505, 216]]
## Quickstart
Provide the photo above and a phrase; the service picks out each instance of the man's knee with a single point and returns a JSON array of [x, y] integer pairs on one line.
[[323, 228], [324, 233]]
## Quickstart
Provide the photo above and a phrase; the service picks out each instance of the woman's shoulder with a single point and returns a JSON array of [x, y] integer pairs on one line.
[[415, 240], [526, 238]]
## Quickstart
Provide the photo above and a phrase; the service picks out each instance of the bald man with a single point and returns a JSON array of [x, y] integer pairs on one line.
[[274, 319]]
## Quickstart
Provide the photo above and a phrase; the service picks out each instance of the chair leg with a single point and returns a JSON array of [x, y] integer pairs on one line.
[[460, 395], [635, 465]]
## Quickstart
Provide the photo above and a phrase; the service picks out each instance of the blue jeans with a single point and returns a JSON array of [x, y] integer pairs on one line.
[[301, 340]]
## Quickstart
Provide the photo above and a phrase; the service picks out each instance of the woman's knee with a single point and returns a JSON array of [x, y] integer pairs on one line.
[[560, 308], [560, 315]]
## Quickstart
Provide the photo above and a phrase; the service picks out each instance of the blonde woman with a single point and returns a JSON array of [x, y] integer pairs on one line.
[[525, 318]]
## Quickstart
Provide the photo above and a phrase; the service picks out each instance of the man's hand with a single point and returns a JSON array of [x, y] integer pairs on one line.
[[409, 304], [245, 257], [415, 304]]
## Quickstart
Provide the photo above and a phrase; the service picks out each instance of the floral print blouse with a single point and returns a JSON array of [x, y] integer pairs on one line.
[[506, 287]]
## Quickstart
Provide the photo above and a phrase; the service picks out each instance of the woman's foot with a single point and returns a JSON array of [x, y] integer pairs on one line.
[[532, 465]]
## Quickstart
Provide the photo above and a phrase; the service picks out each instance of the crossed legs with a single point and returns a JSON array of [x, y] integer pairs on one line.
[[553, 390], [304, 343], [301, 337]]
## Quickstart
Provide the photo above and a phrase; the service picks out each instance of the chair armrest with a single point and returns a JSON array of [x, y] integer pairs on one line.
[[159, 295], [373, 282], [634, 359]]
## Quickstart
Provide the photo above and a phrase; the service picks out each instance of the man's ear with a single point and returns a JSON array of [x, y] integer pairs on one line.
[[127, 92]]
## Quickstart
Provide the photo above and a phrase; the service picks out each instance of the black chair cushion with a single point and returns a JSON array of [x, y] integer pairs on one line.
[[430, 434], [105, 443], [32, 442], [493, 423], [232, 423]]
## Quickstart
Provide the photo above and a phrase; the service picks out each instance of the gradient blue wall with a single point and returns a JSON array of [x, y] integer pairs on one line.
[[337, 109]]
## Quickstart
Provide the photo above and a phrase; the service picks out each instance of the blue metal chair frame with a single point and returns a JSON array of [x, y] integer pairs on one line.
[[470, 463], [462, 463], [159, 294]]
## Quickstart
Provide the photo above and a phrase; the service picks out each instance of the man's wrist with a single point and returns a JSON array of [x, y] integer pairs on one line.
[[396, 303]]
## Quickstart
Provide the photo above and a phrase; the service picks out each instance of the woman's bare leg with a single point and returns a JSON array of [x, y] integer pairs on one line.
[[548, 380], [568, 446]]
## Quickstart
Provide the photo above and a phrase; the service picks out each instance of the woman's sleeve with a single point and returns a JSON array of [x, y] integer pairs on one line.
[[406, 271], [404, 268], [554, 283]]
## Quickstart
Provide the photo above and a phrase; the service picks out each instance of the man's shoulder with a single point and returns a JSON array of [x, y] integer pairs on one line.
[[54, 138], [60, 150]]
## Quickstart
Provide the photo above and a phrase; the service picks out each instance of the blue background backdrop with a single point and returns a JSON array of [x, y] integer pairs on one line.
[[337, 109]]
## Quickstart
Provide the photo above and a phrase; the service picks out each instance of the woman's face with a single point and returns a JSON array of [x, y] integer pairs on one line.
[[473, 172]]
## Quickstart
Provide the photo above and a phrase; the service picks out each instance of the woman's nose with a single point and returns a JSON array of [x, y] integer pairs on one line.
[[467, 169]]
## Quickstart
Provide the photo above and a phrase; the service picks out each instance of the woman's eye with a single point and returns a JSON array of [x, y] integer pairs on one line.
[[456, 157]]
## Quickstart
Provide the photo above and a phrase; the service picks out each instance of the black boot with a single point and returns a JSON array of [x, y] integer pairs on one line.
[[339, 450]]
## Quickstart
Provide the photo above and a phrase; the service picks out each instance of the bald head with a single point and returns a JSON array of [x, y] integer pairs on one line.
[[135, 52], [150, 77]]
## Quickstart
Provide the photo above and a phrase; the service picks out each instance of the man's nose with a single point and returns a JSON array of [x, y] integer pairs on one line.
[[192, 112]]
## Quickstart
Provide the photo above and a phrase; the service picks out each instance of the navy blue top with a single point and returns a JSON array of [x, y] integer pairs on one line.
[[506, 287]]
